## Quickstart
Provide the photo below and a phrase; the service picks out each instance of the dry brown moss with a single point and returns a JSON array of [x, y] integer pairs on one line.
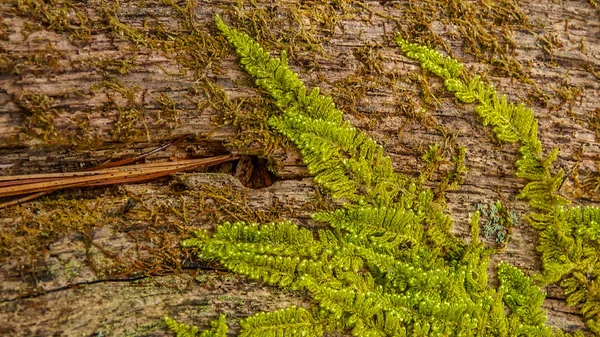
[[59, 16], [39, 123], [150, 224], [485, 28]]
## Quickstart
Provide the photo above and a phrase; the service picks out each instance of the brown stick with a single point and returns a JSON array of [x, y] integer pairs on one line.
[[43, 182]]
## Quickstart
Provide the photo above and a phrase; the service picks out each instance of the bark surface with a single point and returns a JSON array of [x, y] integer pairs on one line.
[[84, 83]]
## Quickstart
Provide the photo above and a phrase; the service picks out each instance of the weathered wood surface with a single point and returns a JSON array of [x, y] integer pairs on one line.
[[106, 261]]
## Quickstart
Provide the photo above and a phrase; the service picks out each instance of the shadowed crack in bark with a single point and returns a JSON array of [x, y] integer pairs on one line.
[[71, 286]]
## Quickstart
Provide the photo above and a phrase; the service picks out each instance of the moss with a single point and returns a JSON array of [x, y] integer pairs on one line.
[[568, 93], [426, 93], [249, 115], [588, 185], [350, 91], [444, 167], [486, 30], [371, 60], [40, 62], [122, 30], [168, 115], [359, 281], [153, 226], [109, 65], [39, 123], [130, 120], [143, 330], [59, 16], [285, 25], [594, 122], [549, 42], [198, 53], [5, 30]]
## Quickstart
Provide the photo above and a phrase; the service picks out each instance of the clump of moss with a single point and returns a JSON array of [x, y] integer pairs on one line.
[[60, 16], [486, 30], [130, 121], [40, 223], [168, 114], [594, 122], [549, 42], [40, 62], [5, 30], [39, 123], [444, 164], [371, 60]]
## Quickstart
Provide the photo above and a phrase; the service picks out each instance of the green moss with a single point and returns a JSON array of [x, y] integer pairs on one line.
[[387, 264], [484, 29]]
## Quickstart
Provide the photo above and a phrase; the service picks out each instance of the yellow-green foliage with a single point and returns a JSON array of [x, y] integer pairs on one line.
[[569, 238], [289, 322], [219, 328], [387, 265], [343, 159]]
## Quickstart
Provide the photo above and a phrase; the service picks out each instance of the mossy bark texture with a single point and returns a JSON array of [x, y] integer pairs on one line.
[[84, 82]]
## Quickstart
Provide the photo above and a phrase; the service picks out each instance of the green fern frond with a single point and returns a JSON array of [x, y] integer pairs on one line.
[[521, 296], [274, 75], [292, 321], [511, 123], [377, 222], [218, 328], [342, 159], [443, 66], [180, 329], [586, 222]]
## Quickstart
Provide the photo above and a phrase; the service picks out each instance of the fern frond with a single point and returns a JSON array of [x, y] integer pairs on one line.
[[511, 123], [343, 159], [392, 227], [568, 238], [292, 321], [443, 66], [521, 296], [274, 75], [218, 328], [585, 222], [278, 253], [180, 329]]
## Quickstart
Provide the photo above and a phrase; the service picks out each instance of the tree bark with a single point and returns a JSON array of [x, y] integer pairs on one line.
[[82, 83]]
